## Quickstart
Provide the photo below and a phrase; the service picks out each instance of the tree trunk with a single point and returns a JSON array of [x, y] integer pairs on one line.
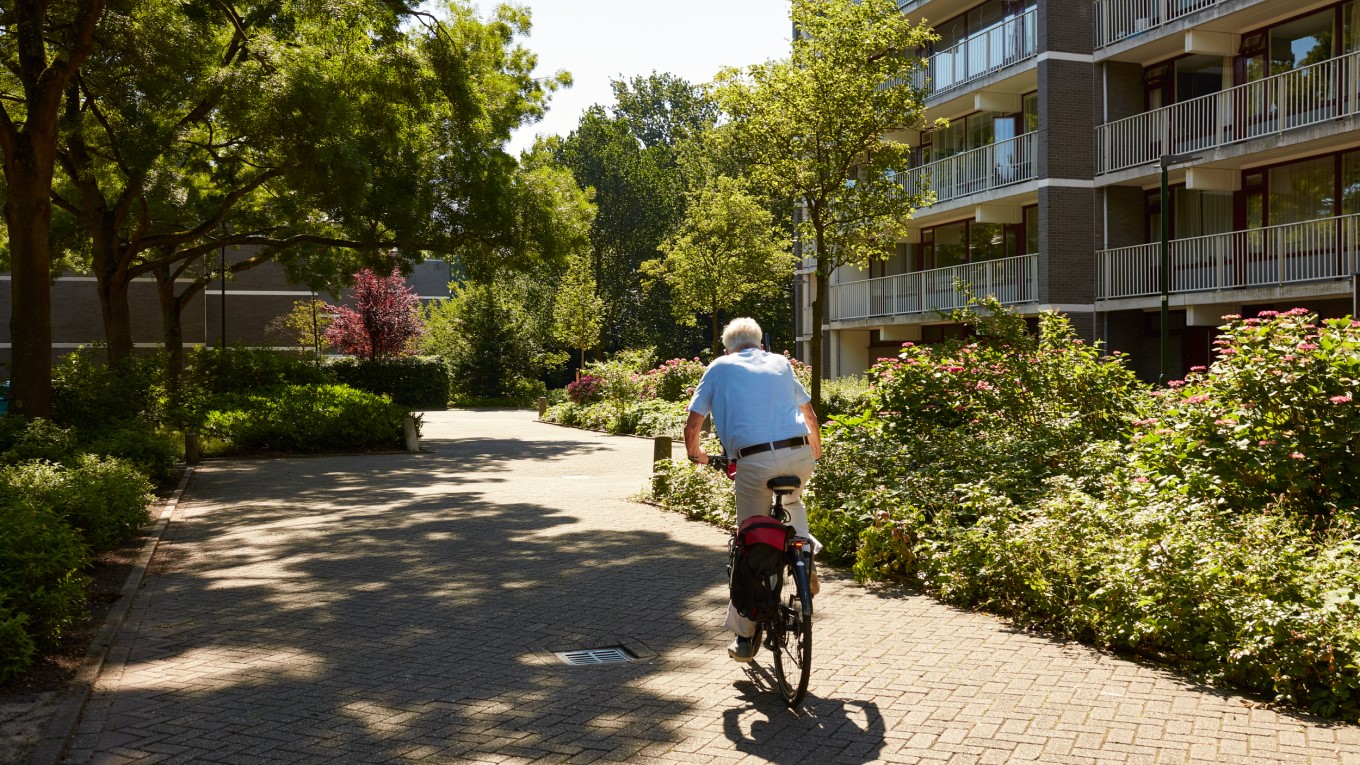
[[815, 359], [114, 306], [28, 215], [714, 325], [172, 325]]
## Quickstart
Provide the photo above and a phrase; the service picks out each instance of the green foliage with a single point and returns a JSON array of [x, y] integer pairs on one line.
[[105, 500], [415, 382], [810, 127], [851, 395], [698, 491], [304, 325], [306, 418], [492, 344], [24, 440], [16, 645], [154, 452], [725, 250], [91, 396], [1274, 423], [578, 309], [232, 370], [674, 380], [621, 377], [41, 559]]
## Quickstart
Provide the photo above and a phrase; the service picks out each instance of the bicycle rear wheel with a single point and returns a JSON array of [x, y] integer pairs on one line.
[[792, 646]]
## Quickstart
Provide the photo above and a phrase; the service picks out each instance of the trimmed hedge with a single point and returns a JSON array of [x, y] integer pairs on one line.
[[419, 382], [306, 418]]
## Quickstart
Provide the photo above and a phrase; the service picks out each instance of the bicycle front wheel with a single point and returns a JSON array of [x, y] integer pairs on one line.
[[793, 652]]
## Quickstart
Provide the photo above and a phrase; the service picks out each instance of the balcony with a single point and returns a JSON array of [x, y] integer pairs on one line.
[[1121, 19], [975, 171], [1261, 257], [1287, 101], [1010, 42], [1011, 280]]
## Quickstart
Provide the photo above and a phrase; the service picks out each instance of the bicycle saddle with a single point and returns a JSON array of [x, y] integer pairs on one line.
[[784, 485]]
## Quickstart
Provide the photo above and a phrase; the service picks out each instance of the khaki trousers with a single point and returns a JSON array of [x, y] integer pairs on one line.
[[755, 498]]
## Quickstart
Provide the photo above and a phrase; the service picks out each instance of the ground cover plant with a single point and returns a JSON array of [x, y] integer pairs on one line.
[[1211, 524]]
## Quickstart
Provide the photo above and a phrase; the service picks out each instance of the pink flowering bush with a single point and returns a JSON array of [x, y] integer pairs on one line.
[[1273, 423], [585, 390], [674, 380]]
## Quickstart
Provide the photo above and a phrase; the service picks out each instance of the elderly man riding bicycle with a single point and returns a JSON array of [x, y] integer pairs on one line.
[[765, 420]]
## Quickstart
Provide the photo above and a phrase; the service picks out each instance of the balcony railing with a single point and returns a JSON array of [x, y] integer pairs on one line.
[[1011, 280], [1010, 42], [977, 170], [1260, 257], [1306, 96], [1121, 19]]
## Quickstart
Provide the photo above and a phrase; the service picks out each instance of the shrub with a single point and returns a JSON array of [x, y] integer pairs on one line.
[[585, 390], [420, 382], [305, 418], [621, 377], [1273, 423], [90, 396], [698, 491], [41, 559], [676, 379], [847, 395], [105, 500], [25, 440], [154, 452], [16, 645], [236, 370]]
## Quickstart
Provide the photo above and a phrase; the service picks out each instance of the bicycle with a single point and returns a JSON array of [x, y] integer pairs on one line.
[[788, 636]]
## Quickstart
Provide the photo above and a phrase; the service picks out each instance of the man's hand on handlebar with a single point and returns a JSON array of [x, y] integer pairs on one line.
[[701, 458]]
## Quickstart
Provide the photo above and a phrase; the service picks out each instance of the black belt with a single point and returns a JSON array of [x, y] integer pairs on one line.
[[787, 443]]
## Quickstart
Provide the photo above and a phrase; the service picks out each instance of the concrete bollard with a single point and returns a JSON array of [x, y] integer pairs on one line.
[[661, 449], [408, 427], [191, 455], [542, 406]]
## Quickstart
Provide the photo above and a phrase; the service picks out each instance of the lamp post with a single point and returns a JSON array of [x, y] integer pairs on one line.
[[1166, 162]]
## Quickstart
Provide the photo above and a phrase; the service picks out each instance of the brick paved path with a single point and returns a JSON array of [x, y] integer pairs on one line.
[[404, 608]]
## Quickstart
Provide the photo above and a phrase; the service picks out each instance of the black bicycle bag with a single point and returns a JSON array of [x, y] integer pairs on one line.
[[756, 569]]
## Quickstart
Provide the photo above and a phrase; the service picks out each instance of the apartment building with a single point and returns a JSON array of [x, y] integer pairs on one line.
[[1047, 180]]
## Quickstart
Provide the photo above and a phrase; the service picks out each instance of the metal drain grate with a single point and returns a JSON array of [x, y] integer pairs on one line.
[[592, 656]]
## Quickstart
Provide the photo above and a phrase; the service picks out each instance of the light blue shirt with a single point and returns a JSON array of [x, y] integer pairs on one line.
[[754, 398]]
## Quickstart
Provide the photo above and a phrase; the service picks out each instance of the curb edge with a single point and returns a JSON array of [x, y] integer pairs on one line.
[[57, 734]]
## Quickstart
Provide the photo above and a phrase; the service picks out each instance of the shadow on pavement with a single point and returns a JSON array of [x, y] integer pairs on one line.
[[820, 730], [395, 607]]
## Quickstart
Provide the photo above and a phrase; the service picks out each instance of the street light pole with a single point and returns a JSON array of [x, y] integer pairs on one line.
[[1165, 273], [1166, 162]]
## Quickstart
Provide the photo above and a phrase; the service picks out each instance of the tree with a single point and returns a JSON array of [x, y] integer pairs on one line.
[[43, 45], [809, 128], [302, 135], [578, 313], [304, 325], [487, 334], [724, 251], [385, 321], [663, 109]]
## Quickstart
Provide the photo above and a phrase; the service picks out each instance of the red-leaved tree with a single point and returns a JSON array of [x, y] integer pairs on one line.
[[384, 321]]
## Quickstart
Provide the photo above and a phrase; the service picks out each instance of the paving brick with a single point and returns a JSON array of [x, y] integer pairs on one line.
[[397, 608]]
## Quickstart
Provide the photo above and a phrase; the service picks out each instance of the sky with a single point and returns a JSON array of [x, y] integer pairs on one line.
[[600, 40]]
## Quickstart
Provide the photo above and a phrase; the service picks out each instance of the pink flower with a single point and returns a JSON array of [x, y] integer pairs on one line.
[[1252, 322], [1342, 399], [1230, 316], [1224, 422], [1164, 432], [982, 385], [1200, 399], [1140, 479], [1227, 351], [1175, 383], [1295, 312], [1198, 369], [1144, 423], [1266, 442], [1307, 347], [1296, 455], [1268, 314]]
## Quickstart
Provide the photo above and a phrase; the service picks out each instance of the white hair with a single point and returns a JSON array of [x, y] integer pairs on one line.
[[740, 334]]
